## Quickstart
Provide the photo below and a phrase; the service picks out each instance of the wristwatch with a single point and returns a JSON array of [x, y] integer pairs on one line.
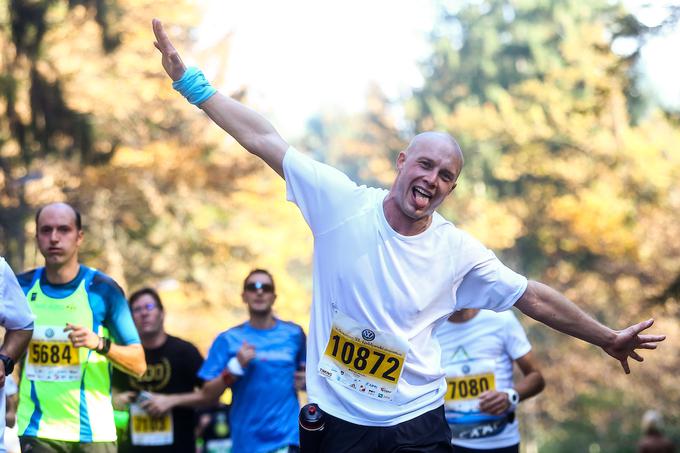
[[513, 397], [9, 364]]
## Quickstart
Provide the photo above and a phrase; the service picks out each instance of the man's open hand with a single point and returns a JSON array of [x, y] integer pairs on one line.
[[628, 340], [172, 63]]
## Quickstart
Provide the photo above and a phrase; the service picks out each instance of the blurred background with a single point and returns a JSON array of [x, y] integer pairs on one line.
[[568, 113]]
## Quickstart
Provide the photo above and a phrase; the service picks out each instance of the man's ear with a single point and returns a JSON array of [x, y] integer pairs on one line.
[[401, 158]]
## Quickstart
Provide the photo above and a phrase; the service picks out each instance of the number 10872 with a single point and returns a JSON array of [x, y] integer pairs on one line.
[[364, 358]]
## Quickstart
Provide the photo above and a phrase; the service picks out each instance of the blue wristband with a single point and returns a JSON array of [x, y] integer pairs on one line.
[[194, 86]]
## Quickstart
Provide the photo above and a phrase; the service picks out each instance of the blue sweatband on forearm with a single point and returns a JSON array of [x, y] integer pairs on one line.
[[194, 86]]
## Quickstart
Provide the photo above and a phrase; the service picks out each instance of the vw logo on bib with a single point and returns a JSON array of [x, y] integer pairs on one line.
[[368, 335]]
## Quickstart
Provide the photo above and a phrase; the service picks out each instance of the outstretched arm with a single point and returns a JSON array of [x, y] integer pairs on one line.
[[548, 306], [248, 127]]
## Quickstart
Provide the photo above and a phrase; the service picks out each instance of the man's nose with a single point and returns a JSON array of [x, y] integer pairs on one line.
[[430, 177]]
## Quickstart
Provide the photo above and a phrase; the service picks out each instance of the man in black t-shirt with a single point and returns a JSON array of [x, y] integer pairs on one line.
[[172, 367]]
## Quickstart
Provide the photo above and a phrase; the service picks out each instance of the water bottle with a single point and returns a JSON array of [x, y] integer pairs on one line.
[[312, 422]]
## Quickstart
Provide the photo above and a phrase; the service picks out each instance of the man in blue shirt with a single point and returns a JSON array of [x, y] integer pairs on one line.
[[263, 361]]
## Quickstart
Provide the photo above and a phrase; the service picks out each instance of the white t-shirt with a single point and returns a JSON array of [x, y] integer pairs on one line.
[[387, 286], [489, 337], [14, 315]]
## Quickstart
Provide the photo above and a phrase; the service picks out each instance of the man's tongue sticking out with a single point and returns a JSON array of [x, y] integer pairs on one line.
[[420, 199]]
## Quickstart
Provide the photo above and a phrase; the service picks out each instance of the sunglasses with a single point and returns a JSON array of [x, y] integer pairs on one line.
[[265, 287]]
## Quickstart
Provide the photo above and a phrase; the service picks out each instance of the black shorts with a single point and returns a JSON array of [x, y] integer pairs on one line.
[[510, 449], [427, 433]]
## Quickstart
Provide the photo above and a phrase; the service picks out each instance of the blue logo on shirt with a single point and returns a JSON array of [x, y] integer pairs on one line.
[[368, 335], [49, 333], [466, 369]]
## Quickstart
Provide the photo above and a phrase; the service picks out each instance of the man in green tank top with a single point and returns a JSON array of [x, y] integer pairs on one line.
[[83, 325]]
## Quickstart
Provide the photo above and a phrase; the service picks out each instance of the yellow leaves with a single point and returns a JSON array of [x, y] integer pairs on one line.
[[483, 123], [598, 218], [129, 157], [496, 225], [652, 159]]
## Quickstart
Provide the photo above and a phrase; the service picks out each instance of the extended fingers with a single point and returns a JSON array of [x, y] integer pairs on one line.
[[624, 364], [636, 356], [158, 31], [162, 41], [647, 346], [651, 338], [639, 327]]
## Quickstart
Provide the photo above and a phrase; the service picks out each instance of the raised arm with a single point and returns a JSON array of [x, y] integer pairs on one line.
[[553, 309], [248, 127]]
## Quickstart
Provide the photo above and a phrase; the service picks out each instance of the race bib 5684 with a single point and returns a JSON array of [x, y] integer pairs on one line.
[[51, 357], [52, 353]]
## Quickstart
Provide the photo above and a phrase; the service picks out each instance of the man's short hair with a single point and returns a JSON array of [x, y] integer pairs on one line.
[[79, 220], [146, 291], [258, 271]]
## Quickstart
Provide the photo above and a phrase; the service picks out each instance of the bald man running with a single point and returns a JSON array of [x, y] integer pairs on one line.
[[387, 270]]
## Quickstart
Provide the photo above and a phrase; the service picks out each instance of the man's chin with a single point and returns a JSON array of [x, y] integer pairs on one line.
[[54, 260], [417, 215]]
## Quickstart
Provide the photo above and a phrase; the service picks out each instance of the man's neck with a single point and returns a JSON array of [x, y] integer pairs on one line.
[[262, 321], [401, 223], [59, 275], [154, 341]]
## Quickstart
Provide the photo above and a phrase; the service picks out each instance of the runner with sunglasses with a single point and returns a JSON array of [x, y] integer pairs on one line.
[[263, 361], [388, 269]]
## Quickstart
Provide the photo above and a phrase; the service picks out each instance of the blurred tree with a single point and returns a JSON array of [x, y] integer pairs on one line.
[[52, 105], [166, 200]]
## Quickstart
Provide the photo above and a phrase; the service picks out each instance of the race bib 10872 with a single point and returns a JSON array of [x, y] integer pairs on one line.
[[363, 359]]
